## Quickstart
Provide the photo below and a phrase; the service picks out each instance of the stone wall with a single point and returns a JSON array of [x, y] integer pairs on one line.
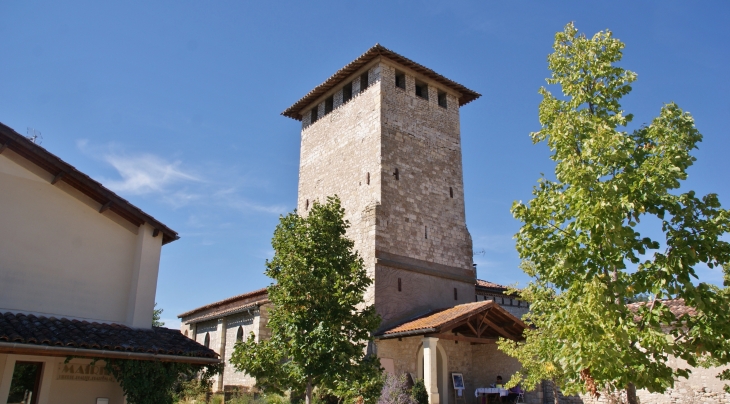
[[480, 364], [255, 322], [340, 155], [422, 214]]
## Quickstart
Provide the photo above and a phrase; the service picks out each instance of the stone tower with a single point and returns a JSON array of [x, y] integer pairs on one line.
[[383, 134]]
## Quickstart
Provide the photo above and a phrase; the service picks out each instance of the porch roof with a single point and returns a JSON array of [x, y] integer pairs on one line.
[[480, 322]]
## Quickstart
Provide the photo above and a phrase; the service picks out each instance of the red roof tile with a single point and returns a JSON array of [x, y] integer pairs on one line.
[[225, 305], [491, 285], [63, 332], [440, 320], [676, 306]]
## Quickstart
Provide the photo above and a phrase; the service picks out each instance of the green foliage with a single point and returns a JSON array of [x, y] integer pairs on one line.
[[23, 381], [156, 313], [319, 323], [419, 393], [191, 389], [581, 244], [154, 382]]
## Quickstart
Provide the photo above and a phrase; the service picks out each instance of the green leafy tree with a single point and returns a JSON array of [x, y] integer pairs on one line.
[[581, 239], [156, 314], [319, 323]]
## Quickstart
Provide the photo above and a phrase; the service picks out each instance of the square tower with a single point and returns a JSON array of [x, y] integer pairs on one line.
[[383, 134]]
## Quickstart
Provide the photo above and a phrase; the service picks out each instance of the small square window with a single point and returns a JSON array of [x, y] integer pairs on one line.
[[442, 99], [400, 79], [329, 104], [347, 92], [422, 89], [313, 115], [364, 81]]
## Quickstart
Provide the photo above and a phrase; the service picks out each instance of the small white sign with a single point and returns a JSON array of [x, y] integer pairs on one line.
[[102, 400]]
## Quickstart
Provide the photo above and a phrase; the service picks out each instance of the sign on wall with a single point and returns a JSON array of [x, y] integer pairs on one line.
[[80, 372]]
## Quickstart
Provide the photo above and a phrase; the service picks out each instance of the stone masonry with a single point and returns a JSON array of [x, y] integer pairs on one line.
[[394, 159]]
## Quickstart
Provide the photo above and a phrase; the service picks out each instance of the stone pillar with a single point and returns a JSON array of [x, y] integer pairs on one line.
[[222, 330], [430, 369]]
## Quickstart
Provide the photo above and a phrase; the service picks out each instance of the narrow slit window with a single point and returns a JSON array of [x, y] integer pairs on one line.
[[329, 104], [367, 179], [442, 99], [421, 89], [425, 232], [186, 333], [396, 174], [313, 115], [364, 81], [306, 205], [456, 294], [399, 285], [239, 334], [206, 341], [400, 79], [451, 192], [347, 92]]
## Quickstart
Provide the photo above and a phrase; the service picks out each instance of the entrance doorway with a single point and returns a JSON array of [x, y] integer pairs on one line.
[[442, 373], [26, 383]]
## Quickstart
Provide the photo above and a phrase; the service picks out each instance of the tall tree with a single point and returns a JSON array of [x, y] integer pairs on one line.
[[319, 323], [581, 241]]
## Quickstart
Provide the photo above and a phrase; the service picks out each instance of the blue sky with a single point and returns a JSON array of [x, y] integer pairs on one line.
[[175, 105]]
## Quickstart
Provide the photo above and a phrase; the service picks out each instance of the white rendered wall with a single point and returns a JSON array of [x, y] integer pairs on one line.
[[60, 257]]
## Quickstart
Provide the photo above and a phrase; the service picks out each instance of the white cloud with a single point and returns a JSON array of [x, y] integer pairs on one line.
[[146, 173], [175, 183]]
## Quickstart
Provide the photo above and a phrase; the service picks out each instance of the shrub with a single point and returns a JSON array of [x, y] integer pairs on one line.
[[419, 392], [395, 390]]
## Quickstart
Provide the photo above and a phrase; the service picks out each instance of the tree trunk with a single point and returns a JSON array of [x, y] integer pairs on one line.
[[631, 394], [556, 399], [309, 391]]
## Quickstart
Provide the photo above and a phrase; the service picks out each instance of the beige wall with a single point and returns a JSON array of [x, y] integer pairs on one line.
[[57, 391], [61, 257]]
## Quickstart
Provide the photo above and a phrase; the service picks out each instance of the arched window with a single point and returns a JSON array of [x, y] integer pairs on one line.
[[239, 334], [207, 340]]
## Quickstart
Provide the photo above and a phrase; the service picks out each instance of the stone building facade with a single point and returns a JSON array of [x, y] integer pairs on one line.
[[383, 133], [220, 325]]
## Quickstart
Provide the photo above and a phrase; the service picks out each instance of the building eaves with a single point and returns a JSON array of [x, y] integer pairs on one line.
[[224, 313], [65, 172], [437, 319], [230, 300], [467, 95], [53, 336]]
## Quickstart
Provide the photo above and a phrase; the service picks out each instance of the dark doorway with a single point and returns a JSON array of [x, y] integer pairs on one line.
[[26, 383]]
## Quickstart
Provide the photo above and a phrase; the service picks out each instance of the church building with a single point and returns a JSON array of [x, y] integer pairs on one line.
[[383, 133]]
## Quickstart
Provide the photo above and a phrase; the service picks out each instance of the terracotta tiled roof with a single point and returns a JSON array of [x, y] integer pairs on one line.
[[62, 332], [490, 285], [450, 318], [677, 307], [436, 319], [467, 95], [65, 172], [231, 303]]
